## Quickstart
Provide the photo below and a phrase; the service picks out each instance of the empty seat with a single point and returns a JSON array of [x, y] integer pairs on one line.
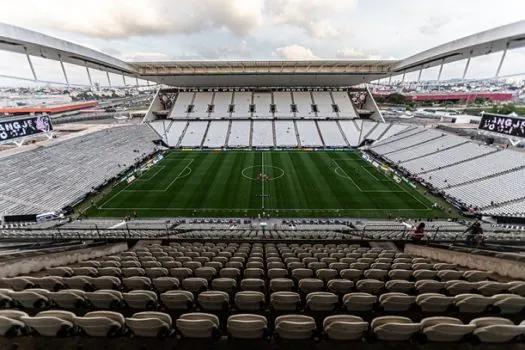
[[177, 299], [31, 298], [10, 323], [517, 287], [69, 298], [344, 327], [295, 327], [490, 288], [509, 303], [206, 272], [285, 301], [475, 275], [460, 287], [154, 272], [277, 273], [472, 303], [195, 284], [249, 301], [449, 275], [321, 301], [445, 329], [51, 323], [351, 274], [299, 274], [150, 324], [394, 302], [254, 284], [394, 328], [105, 299], [106, 282], [163, 284], [340, 286], [198, 325], [214, 300], [309, 285], [429, 286], [132, 271], [399, 286], [228, 285], [281, 284], [375, 274], [434, 302], [61, 271], [247, 326], [136, 283], [359, 301], [80, 282], [100, 323], [230, 272], [496, 329], [370, 286], [51, 283], [424, 274], [140, 299]]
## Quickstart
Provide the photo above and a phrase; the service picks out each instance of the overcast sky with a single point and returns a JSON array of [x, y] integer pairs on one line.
[[157, 30]]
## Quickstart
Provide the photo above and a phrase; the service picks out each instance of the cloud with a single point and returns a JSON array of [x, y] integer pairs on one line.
[[225, 52], [295, 53], [314, 17], [117, 19], [353, 54], [433, 25]]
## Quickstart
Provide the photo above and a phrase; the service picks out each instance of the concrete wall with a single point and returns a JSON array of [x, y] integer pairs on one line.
[[31, 264], [502, 267]]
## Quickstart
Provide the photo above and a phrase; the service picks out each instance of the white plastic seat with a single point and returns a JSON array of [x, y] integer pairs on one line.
[[206, 272], [490, 288], [285, 301], [132, 271], [472, 303], [496, 329], [230, 272], [10, 323], [399, 286], [247, 326], [163, 284], [449, 275], [309, 285], [445, 329], [394, 328], [224, 284], [424, 274], [517, 287], [68, 298], [79, 282], [370, 286], [460, 287], [281, 285], [109, 271], [340, 286], [136, 283], [359, 301], [295, 327], [249, 300], [321, 301], [214, 300], [344, 327], [299, 274], [154, 272], [51, 283], [475, 275], [105, 299], [327, 274], [31, 298], [107, 282], [100, 323], [277, 273], [399, 274], [375, 274], [394, 302], [140, 299], [509, 303], [61, 271], [351, 274], [149, 324], [198, 325], [177, 299], [434, 302], [195, 284], [51, 323]]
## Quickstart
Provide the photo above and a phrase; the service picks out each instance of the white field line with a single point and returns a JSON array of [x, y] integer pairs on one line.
[[347, 176], [244, 209]]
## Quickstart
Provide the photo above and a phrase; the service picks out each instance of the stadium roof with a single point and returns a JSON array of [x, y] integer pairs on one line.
[[262, 73]]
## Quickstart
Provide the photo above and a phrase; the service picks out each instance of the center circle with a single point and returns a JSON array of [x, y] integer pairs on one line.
[[279, 170]]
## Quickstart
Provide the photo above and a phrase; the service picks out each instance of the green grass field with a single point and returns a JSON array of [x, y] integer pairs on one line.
[[300, 184]]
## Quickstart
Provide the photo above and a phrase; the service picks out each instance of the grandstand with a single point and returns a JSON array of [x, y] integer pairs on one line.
[[262, 204]]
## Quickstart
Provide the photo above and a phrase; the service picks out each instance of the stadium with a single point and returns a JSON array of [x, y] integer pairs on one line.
[[260, 203]]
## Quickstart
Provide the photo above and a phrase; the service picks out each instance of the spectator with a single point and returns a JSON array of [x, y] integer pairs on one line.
[[474, 234], [418, 232]]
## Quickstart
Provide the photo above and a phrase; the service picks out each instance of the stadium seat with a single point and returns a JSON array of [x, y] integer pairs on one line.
[[100, 323], [344, 327], [198, 325], [445, 329], [295, 327], [150, 324], [247, 326], [496, 329], [394, 328]]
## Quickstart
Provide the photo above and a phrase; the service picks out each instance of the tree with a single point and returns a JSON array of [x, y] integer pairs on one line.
[[396, 98]]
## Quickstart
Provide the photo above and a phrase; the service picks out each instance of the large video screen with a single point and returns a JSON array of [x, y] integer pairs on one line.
[[23, 127], [503, 125]]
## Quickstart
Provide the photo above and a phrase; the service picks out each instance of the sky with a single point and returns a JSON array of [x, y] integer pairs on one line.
[[161, 30]]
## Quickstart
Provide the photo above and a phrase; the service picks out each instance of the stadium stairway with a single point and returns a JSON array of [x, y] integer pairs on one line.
[[228, 133], [364, 137], [319, 132], [342, 132], [205, 133], [182, 135], [384, 131], [297, 133], [251, 133], [456, 163], [415, 145], [274, 133], [441, 150]]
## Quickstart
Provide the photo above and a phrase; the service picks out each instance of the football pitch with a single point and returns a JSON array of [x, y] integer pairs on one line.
[[250, 183]]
